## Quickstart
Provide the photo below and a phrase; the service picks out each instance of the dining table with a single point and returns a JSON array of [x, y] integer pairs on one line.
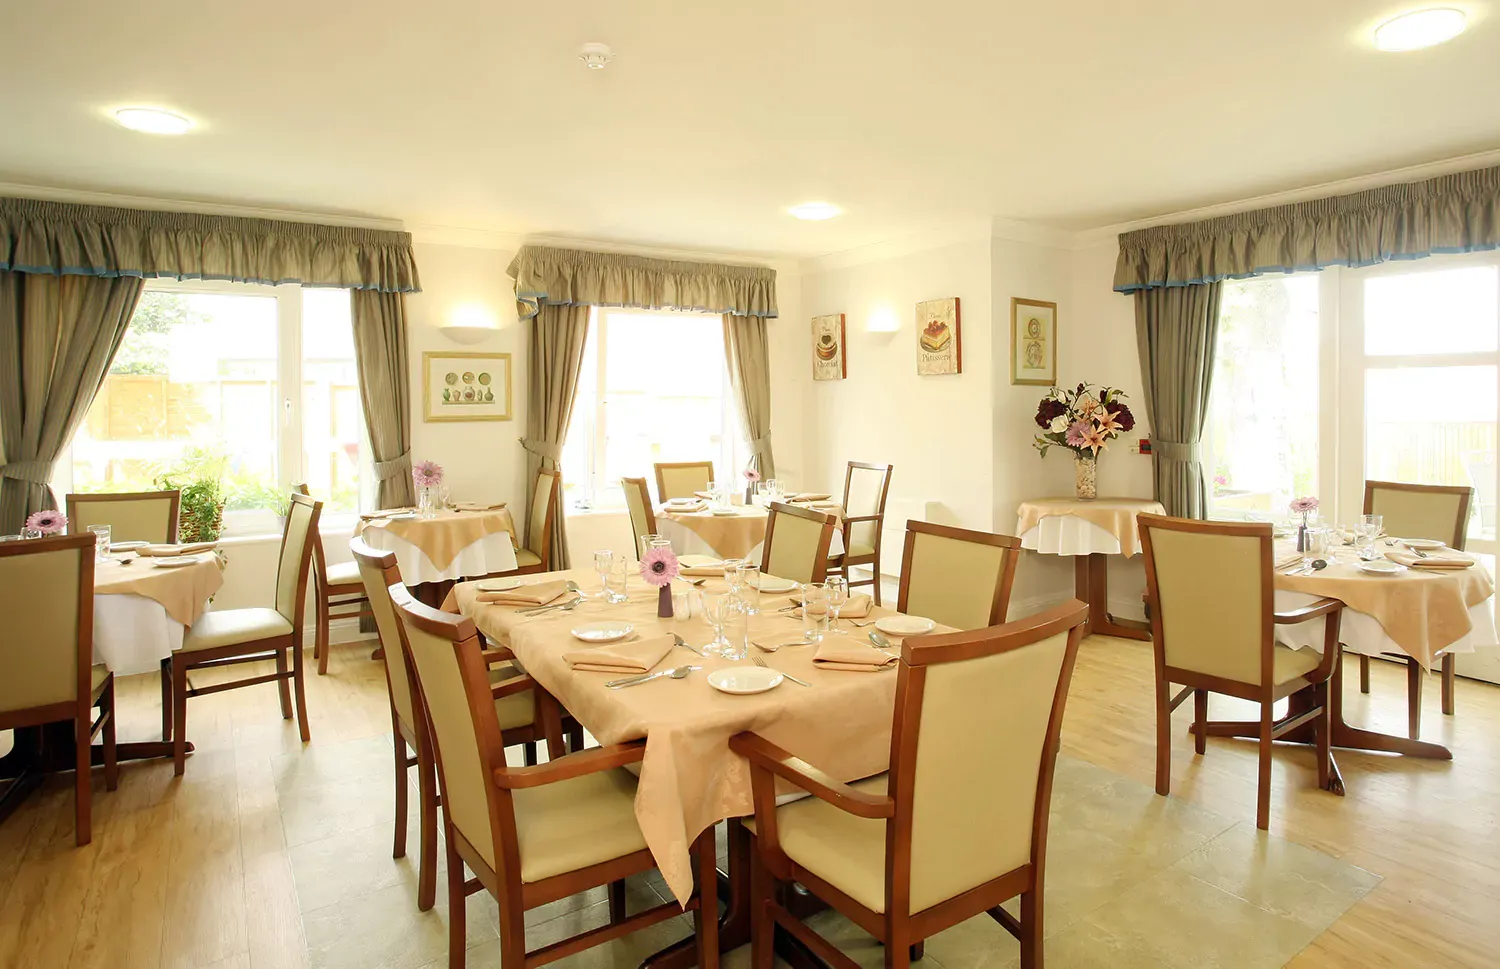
[[445, 545], [689, 778], [731, 531]]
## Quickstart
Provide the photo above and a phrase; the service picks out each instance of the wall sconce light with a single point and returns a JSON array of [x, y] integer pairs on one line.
[[882, 319], [470, 323]]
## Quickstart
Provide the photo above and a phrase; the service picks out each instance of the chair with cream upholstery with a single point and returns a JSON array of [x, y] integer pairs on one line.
[[335, 587], [1439, 512], [956, 576], [47, 669], [136, 516], [797, 541], [865, 490], [518, 714], [536, 556], [531, 835], [1213, 625], [957, 826], [681, 479], [227, 637], [642, 518]]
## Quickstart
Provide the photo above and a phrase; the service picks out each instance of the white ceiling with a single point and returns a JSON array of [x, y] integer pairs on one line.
[[715, 116]]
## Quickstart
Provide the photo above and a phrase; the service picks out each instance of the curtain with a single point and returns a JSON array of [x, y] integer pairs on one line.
[[58, 336], [1177, 330], [544, 274], [749, 362], [1448, 214], [380, 354], [555, 360], [62, 239]]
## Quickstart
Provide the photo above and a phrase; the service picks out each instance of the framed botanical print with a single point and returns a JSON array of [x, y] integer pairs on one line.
[[940, 345], [465, 386], [1033, 342], [829, 362]]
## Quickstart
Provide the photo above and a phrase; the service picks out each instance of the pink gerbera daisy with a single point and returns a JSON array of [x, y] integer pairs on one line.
[[659, 566], [427, 474], [49, 522]]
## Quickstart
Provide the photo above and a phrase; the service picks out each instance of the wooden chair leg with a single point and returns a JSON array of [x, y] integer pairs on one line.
[[1031, 928], [320, 637], [403, 792], [427, 822], [762, 925], [83, 799], [876, 576], [898, 946], [1163, 738], [1413, 698], [1364, 673], [916, 951], [283, 688], [617, 901], [528, 751], [1200, 721], [458, 911], [1263, 780], [1322, 728], [111, 758], [575, 737], [166, 700], [1448, 677], [179, 717], [299, 682]]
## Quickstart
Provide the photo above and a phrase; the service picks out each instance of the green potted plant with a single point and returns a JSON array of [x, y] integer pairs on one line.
[[199, 475]]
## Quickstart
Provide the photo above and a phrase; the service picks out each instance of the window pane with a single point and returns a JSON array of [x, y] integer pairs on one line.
[[332, 417], [1445, 311], [194, 381], [1262, 430]]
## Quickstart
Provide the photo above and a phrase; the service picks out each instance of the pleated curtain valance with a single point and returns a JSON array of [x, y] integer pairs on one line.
[[1447, 214], [544, 274], [63, 239]]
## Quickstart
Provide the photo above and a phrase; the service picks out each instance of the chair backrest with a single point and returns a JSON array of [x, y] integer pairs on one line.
[[1210, 589], [796, 545], [453, 688], [957, 576], [296, 555], [1439, 512], [46, 651], [642, 518], [973, 748], [865, 489], [378, 571], [681, 479], [539, 516], [137, 516]]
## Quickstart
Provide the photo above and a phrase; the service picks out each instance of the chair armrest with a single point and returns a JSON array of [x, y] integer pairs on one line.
[[765, 755], [496, 654], [848, 519], [511, 685], [574, 765], [1312, 610]]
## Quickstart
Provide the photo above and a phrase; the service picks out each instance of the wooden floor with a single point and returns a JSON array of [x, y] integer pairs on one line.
[[194, 873]]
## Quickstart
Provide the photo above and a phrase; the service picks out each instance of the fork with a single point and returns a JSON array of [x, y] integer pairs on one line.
[[764, 665]]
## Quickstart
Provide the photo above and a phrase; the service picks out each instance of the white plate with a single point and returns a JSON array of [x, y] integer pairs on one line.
[[683, 501], [157, 562], [602, 632], [126, 546], [744, 679], [724, 512], [498, 585], [1425, 544], [904, 625], [405, 516], [771, 585], [1381, 567]]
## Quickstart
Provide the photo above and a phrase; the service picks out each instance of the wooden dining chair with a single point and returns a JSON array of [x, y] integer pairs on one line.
[[518, 714], [47, 668], [228, 637], [1439, 512], [1213, 627], [959, 823], [956, 576], [642, 517], [338, 593], [531, 835], [536, 555], [865, 489], [133, 516], [797, 540], [680, 479]]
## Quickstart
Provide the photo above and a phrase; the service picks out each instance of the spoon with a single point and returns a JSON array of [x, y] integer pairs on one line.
[[879, 640], [675, 673], [1316, 565], [804, 641], [568, 606]]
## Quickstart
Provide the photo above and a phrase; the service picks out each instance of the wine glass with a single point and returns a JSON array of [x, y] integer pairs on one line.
[[838, 594], [734, 630], [715, 608], [604, 561], [1371, 527], [750, 588], [714, 497], [734, 575]]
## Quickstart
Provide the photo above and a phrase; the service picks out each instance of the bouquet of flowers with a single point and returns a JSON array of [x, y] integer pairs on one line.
[[1084, 420]]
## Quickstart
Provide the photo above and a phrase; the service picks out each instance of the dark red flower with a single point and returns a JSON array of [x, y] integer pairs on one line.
[[1049, 409], [1123, 415]]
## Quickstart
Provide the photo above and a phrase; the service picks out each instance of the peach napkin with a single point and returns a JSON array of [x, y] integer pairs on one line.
[[685, 506], [705, 495], [858, 606], [477, 506], [699, 565], [375, 516], [1434, 560], [171, 550], [627, 658], [537, 594], [811, 496], [852, 657], [1287, 560]]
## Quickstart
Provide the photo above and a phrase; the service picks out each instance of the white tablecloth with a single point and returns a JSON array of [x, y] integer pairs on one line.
[[1361, 633], [1069, 535], [685, 541], [133, 634], [490, 554]]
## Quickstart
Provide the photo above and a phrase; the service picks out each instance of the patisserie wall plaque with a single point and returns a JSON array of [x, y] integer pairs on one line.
[[465, 386], [939, 337], [1033, 342], [829, 362]]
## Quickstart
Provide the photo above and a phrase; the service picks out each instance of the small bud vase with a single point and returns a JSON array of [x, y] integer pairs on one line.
[[1085, 477], [664, 602]]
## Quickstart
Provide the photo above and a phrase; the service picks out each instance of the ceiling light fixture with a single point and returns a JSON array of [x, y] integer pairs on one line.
[[153, 121], [815, 211], [1419, 29], [595, 56]]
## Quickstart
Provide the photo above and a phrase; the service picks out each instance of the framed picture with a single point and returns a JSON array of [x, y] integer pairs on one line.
[[465, 386], [940, 343], [1033, 342], [829, 362]]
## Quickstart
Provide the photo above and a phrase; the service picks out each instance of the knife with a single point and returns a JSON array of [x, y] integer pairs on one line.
[[633, 680]]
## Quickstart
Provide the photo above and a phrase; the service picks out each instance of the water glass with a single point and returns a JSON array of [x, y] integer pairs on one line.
[[715, 609], [838, 594], [750, 588], [716, 497], [815, 607], [617, 582], [734, 575], [734, 630], [101, 541], [1371, 527], [604, 563], [1318, 540]]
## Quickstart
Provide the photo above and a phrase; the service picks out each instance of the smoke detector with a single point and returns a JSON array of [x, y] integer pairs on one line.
[[595, 56]]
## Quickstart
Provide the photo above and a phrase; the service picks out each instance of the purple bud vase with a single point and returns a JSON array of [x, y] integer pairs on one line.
[[664, 602]]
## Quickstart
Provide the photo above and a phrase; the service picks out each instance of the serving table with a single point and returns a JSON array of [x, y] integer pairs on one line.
[[1088, 530], [740, 535]]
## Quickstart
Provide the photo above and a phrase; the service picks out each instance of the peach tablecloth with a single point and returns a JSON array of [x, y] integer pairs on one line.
[[182, 591], [738, 535], [689, 779], [447, 533], [1114, 515]]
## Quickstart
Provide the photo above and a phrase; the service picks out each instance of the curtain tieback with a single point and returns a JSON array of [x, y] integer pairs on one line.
[[761, 443], [1177, 450], [32, 472], [394, 468], [545, 450]]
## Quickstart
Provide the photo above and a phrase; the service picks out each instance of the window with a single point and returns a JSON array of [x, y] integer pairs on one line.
[[204, 379], [654, 387]]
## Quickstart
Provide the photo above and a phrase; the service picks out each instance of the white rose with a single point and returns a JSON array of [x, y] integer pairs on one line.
[[1058, 425]]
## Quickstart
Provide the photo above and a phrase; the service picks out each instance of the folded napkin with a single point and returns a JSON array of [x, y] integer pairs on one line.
[[537, 594], [165, 551], [811, 496], [1434, 560], [700, 565], [477, 505], [858, 606], [376, 516], [852, 657], [1287, 560], [685, 506], [705, 495], [627, 658]]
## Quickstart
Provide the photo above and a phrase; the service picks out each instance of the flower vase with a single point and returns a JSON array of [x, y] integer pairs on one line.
[[1086, 477], [1302, 536], [664, 602]]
